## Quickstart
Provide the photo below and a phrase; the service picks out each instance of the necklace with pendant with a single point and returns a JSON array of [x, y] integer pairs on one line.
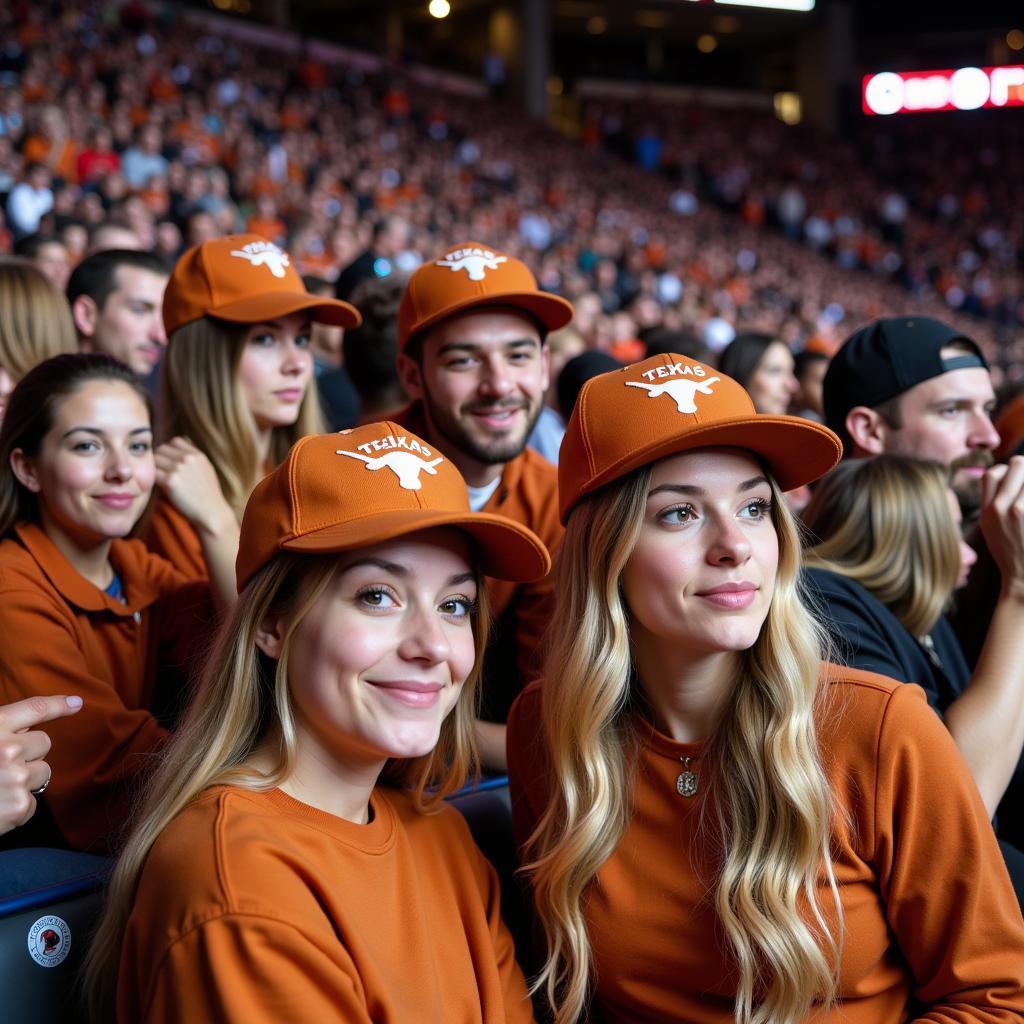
[[686, 783]]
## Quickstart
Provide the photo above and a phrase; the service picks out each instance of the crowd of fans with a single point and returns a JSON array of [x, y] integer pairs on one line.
[[277, 647], [170, 137], [935, 211]]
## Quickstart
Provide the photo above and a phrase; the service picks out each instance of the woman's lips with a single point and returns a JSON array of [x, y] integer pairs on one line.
[[736, 596], [289, 394], [409, 692], [116, 500]]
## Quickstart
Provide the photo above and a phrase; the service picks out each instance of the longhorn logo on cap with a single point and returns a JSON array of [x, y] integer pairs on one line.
[[264, 254], [473, 261], [681, 391], [405, 465]]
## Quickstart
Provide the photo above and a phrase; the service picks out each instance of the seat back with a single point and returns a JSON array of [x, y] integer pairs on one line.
[[488, 811], [49, 903]]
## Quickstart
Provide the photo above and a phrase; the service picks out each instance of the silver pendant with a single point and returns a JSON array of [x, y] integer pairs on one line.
[[686, 783]]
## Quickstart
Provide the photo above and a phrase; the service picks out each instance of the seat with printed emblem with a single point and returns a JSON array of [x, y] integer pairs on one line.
[[49, 903]]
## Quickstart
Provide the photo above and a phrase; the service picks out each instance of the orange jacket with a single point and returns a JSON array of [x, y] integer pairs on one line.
[[170, 535], [528, 494], [62, 634], [930, 914], [255, 907]]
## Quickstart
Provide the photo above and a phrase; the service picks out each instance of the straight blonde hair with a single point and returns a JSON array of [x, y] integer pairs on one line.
[[885, 523], [201, 399], [243, 699], [35, 318], [774, 808]]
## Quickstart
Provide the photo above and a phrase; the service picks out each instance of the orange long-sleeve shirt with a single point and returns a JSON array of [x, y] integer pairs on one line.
[[528, 494], [254, 907], [170, 535], [62, 634], [933, 929]]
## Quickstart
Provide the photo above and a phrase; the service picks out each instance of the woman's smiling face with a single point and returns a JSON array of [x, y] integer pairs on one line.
[[94, 471], [379, 661]]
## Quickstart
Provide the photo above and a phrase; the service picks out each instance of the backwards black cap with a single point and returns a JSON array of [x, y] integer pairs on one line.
[[888, 357]]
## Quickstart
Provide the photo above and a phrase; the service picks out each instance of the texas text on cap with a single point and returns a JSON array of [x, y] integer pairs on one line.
[[247, 280], [335, 492], [468, 275], [670, 403], [888, 357]]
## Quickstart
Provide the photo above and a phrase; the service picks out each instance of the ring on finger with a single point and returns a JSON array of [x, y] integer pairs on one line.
[[39, 791]]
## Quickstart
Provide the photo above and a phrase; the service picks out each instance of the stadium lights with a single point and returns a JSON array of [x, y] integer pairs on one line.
[[774, 5], [439, 8]]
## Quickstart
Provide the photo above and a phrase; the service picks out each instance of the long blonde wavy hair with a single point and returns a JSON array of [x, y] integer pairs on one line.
[[885, 523], [241, 703], [774, 811], [201, 399]]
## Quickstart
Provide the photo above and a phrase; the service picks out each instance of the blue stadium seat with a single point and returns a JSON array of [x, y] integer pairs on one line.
[[488, 811], [49, 902]]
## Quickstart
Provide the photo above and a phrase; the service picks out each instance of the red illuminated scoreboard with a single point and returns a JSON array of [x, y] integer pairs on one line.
[[912, 92]]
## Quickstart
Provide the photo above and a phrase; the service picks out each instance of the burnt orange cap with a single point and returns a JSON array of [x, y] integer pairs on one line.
[[244, 279], [335, 492], [469, 275], [627, 418]]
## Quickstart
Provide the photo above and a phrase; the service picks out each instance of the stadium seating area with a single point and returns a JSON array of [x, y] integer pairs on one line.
[[181, 135]]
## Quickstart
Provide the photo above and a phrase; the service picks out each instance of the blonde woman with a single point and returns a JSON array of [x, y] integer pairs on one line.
[[35, 322], [886, 557], [236, 389], [718, 827], [886, 561], [294, 859]]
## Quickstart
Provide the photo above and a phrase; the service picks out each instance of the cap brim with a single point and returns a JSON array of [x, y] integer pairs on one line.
[[551, 310], [268, 305], [507, 551], [797, 451]]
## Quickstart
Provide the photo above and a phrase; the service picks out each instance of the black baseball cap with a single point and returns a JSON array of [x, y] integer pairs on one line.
[[887, 358]]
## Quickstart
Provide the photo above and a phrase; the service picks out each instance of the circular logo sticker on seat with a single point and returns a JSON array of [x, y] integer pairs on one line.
[[49, 941]]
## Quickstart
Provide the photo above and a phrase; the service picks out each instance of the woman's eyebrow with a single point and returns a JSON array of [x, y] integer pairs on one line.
[[695, 491], [379, 563]]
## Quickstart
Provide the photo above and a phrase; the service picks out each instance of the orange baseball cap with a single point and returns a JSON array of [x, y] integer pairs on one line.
[[245, 279], [335, 492], [468, 275], [670, 403]]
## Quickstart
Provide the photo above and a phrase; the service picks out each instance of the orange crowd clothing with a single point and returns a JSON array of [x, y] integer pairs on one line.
[[933, 928], [527, 494], [170, 535], [62, 634], [255, 907], [40, 149]]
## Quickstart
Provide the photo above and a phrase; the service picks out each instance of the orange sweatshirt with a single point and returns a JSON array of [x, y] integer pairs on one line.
[[170, 535], [254, 907], [933, 929], [62, 634], [528, 494]]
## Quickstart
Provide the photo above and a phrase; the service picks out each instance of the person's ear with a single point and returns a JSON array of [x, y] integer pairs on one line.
[[410, 376], [24, 468], [867, 430], [85, 313], [270, 636]]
